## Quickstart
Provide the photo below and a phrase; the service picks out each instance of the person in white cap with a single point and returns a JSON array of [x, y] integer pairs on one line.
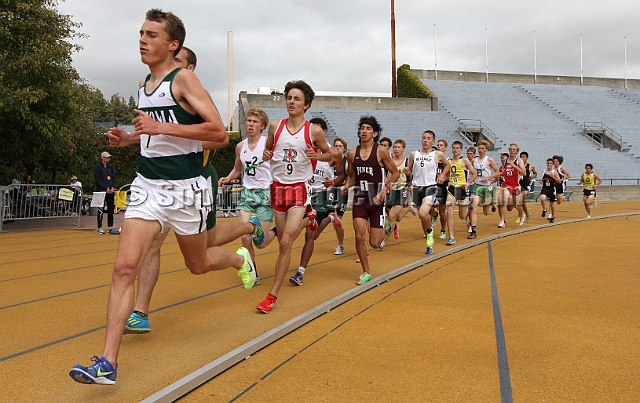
[[77, 196], [105, 176]]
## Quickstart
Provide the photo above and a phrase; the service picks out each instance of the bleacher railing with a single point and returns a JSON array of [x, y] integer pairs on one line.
[[36, 201], [476, 124], [609, 182], [596, 130]]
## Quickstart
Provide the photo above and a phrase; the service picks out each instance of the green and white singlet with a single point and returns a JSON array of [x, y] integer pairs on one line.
[[162, 156]]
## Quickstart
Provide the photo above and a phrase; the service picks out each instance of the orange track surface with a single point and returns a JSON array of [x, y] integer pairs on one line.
[[567, 294]]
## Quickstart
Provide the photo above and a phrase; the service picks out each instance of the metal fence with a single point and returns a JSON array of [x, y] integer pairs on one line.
[[606, 181], [228, 197], [35, 201]]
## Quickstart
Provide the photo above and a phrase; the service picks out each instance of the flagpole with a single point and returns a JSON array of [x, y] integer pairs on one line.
[[229, 78], [625, 64], [435, 52], [486, 54], [535, 60], [581, 71]]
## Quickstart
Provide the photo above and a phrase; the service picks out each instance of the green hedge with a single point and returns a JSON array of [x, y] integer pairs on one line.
[[410, 86]]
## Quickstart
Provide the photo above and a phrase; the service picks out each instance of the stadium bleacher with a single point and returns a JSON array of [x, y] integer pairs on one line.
[[406, 125], [518, 113], [543, 119]]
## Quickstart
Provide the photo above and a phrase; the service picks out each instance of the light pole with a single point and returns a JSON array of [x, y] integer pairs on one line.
[[393, 50]]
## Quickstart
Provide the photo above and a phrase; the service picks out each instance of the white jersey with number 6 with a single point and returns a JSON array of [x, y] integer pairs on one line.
[[424, 169]]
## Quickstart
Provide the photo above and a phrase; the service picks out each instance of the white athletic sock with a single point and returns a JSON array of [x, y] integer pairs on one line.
[[301, 270]]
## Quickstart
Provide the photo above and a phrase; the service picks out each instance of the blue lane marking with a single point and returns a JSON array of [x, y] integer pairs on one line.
[[503, 363]]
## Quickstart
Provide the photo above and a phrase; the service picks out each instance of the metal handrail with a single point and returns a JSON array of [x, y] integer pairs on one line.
[[608, 132], [464, 123], [610, 181]]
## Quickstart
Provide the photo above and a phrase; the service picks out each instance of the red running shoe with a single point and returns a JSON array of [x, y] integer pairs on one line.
[[311, 213], [267, 304], [337, 222], [368, 258], [396, 233]]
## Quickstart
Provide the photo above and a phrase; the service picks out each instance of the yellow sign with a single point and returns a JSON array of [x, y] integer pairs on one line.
[[65, 194]]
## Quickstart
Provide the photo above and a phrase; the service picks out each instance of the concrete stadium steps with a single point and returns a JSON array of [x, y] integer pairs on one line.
[[614, 108], [515, 114], [406, 125]]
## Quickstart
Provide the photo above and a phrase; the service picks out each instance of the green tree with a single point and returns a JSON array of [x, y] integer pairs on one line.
[[44, 103], [410, 86], [225, 157], [100, 107], [121, 111]]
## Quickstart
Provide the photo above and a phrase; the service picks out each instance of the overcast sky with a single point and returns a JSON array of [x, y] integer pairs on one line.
[[345, 45]]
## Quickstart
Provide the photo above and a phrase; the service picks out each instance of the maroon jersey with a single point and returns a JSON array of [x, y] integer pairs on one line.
[[369, 176]]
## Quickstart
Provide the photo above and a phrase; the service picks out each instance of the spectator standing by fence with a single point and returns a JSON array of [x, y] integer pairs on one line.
[[228, 207], [105, 176], [15, 192], [77, 194]]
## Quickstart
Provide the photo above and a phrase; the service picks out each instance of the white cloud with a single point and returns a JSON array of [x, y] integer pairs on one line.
[[345, 45]]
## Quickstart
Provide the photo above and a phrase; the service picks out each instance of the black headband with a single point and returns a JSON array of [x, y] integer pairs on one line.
[[371, 122]]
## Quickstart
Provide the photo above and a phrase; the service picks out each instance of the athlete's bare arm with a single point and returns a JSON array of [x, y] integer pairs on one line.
[[336, 162], [520, 167], [385, 160], [566, 173], [469, 167], [598, 180], [120, 138], [351, 174], [441, 158], [319, 138], [532, 170], [190, 94], [408, 169], [214, 145], [494, 167], [237, 168], [267, 154]]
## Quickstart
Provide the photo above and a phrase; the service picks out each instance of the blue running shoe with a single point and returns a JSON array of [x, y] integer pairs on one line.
[[429, 250], [258, 232], [296, 279], [102, 372], [137, 324], [339, 250]]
